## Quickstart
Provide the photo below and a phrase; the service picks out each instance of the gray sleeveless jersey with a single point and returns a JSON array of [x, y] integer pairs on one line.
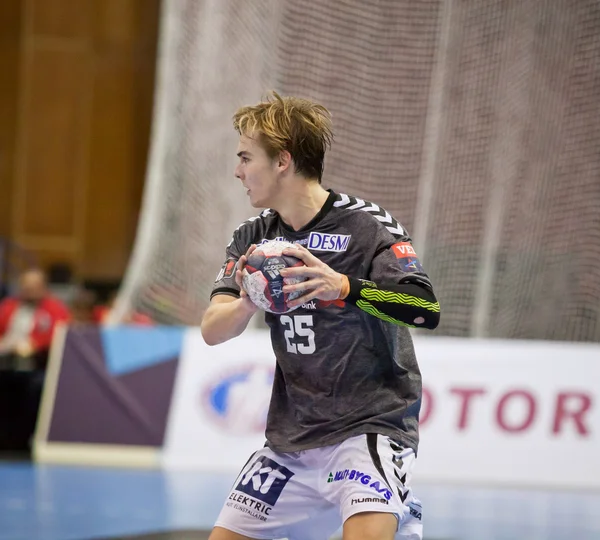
[[340, 372]]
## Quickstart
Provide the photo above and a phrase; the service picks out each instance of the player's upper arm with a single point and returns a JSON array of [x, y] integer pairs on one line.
[[225, 284], [220, 298], [398, 290], [396, 261]]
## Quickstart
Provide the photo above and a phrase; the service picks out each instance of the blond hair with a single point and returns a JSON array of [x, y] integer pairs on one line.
[[300, 126]]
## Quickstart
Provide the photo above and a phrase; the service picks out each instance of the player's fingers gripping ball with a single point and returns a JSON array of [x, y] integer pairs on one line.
[[261, 278]]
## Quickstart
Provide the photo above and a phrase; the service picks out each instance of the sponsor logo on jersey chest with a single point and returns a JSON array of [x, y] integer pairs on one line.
[[318, 241], [328, 242]]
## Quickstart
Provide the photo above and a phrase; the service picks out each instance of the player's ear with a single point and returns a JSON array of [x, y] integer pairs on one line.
[[284, 160]]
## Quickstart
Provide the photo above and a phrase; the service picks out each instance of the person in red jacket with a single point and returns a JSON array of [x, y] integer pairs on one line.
[[27, 320]]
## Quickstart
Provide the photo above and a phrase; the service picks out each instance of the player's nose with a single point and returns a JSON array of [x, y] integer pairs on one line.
[[238, 172]]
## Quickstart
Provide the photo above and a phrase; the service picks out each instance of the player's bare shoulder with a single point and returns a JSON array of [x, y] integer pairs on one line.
[[368, 215]]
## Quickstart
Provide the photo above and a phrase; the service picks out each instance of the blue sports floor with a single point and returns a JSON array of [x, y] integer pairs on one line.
[[77, 503]]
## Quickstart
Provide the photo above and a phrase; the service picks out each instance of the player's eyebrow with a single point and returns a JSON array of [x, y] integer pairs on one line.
[[243, 153]]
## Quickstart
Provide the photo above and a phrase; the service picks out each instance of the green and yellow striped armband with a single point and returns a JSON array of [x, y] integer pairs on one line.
[[405, 304]]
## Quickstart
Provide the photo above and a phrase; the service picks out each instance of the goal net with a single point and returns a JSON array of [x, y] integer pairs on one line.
[[474, 123]]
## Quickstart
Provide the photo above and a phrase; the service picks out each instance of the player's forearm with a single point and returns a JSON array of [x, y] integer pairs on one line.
[[404, 304], [223, 322]]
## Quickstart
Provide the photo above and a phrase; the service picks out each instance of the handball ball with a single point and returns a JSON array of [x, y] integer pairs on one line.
[[262, 280]]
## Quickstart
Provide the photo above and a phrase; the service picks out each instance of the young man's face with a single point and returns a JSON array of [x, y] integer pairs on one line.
[[257, 172]]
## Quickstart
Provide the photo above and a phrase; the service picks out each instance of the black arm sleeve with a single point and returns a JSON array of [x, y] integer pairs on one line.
[[405, 304]]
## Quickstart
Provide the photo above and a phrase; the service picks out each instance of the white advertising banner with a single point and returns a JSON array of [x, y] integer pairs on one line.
[[509, 413], [512, 413], [220, 402]]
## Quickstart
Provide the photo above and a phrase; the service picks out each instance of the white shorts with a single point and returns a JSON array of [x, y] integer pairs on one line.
[[307, 495]]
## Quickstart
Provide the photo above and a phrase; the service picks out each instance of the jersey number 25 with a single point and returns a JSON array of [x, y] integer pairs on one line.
[[298, 326]]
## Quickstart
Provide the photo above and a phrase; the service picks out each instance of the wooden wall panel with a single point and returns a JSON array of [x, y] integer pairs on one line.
[[125, 48], [61, 18], [108, 236], [10, 32], [54, 142], [84, 110], [115, 23], [142, 115]]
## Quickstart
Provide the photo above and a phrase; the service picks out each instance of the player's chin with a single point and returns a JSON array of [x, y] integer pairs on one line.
[[257, 202]]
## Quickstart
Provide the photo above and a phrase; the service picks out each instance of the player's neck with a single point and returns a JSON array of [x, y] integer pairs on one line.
[[301, 202]]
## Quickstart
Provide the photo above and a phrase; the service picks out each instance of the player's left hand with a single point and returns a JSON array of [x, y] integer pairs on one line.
[[322, 283]]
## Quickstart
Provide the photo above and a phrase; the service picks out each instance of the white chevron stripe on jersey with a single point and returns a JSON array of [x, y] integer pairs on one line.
[[344, 200], [264, 213], [394, 227], [357, 205], [380, 214], [373, 208]]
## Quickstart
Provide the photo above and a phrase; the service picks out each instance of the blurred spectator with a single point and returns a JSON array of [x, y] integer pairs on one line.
[[60, 282], [27, 320], [82, 307], [102, 313]]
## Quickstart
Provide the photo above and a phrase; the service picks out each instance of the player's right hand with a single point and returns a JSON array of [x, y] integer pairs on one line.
[[239, 273]]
